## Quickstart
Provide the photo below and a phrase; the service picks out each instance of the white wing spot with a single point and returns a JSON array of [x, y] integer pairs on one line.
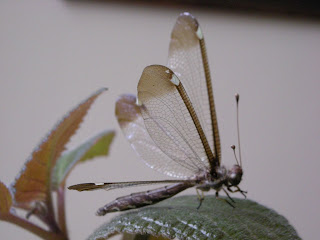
[[199, 33], [138, 102], [99, 184], [203, 159], [175, 80], [167, 71], [178, 74]]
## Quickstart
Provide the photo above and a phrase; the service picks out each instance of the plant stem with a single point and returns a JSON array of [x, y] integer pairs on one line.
[[61, 208], [50, 217], [29, 226]]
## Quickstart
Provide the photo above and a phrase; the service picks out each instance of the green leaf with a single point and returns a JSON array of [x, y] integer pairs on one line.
[[179, 218], [5, 200], [128, 236], [33, 184], [94, 147]]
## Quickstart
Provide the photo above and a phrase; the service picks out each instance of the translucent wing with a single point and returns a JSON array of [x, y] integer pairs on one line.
[[132, 124], [116, 185], [168, 139], [169, 122], [188, 59]]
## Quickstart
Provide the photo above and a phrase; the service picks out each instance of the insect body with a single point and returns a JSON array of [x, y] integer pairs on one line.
[[172, 125], [141, 199]]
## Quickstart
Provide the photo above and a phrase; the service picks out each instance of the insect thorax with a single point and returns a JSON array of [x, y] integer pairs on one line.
[[215, 183]]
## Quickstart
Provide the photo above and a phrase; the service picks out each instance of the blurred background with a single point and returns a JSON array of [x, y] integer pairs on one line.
[[55, 53]]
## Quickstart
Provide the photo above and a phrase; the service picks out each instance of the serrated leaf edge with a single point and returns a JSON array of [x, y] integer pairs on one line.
[[44, 139]]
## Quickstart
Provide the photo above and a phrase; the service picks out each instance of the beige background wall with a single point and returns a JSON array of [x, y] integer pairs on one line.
[[55, 53]]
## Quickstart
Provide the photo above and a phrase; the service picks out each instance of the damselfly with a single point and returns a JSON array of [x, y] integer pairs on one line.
[[172, 125]]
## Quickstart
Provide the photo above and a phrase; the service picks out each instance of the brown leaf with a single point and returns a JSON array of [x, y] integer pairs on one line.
[[5, 199], [34, 181]]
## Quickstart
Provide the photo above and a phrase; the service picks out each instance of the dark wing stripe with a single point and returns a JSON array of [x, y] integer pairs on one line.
[[188, 60], [216, 136], [195, 119]]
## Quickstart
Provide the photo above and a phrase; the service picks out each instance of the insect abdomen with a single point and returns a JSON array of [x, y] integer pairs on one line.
[[141, 199]]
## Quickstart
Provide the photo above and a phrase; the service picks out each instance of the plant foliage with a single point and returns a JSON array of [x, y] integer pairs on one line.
[[179, 218], [46, 171]]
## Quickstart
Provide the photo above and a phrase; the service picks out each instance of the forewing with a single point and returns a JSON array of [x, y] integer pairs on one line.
[[116, 185], [132, 124], [188, 60], [168, 120]]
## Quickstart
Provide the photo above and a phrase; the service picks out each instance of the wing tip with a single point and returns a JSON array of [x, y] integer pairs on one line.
[[85, 186], [189, 18]]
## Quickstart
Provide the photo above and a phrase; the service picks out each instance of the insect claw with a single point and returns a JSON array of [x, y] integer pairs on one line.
[[200, 203], [244, 193]]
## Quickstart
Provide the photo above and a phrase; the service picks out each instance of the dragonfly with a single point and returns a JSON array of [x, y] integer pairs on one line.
[[172, 126]]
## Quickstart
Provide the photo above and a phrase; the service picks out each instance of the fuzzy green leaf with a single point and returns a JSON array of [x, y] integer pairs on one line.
[[34, 181], [94, 147], [179, 218]]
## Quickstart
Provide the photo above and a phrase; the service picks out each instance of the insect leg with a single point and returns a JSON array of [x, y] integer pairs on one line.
[[228, 195], [200, 197], [238, 190], [224, 200]]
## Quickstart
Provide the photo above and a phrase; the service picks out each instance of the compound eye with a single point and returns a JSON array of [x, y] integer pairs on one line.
[[235, 175]]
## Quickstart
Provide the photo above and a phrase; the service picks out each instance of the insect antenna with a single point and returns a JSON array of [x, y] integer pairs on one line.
[[238, 128], [234, 152]]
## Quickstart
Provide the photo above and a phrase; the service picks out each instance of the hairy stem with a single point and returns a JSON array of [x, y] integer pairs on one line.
[[61, 208], [31, 227]]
